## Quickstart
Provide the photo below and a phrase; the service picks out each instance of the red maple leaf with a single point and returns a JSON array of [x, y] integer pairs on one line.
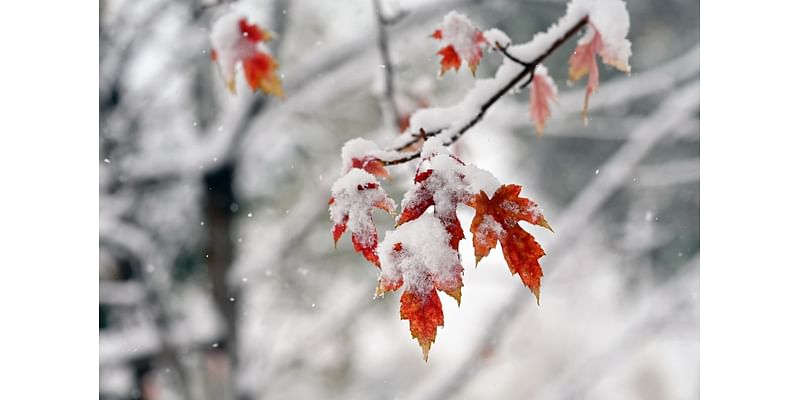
[[460, 40], [424, 315], [235, 41], [497, 219], [354, 196], [543, 91], [417, 254]]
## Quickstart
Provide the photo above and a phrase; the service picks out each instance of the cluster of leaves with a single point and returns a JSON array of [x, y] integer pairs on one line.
[[422, 252]]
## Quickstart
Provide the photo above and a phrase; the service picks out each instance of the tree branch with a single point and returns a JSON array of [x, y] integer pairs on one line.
[[527, 70]]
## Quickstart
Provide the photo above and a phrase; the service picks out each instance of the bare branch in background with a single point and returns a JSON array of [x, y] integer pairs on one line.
[[387, 65]]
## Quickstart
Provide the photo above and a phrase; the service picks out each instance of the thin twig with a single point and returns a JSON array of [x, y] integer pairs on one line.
[[388, 69], [505, 52]]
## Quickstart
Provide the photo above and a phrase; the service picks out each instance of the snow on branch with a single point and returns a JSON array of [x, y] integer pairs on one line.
[[607, 17]]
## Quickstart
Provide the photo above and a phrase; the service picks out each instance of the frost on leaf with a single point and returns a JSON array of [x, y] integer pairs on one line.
[[583, 60], [363, 154], [543, 92], [497, 219], [417, 255], [460, 41], [234, 41], [354, 196]]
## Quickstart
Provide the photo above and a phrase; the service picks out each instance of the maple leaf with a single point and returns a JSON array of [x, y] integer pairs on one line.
[[424, 315], [543, 91], [583, 61], [234, 40], [497, 219], [460, 40], [353, 197], [417, 254]]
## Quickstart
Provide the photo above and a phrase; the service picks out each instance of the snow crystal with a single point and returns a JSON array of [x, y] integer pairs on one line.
[[425, 255]]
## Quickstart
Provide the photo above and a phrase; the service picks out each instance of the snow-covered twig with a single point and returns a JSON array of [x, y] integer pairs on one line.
[[505, 80]]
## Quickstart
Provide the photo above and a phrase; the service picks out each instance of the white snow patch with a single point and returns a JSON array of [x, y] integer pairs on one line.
[[425, 256]]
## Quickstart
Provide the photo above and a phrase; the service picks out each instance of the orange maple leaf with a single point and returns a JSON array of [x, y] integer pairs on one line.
[[497, 219], [235, 41], [543, 91]]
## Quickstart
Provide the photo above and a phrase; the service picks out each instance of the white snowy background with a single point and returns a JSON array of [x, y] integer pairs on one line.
[[218, 278]]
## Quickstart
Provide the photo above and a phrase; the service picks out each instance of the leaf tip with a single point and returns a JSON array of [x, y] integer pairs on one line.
[[426, 348], [544, 224]]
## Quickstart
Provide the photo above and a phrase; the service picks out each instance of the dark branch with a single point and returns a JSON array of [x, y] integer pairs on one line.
[[527, 71], [508, 55]]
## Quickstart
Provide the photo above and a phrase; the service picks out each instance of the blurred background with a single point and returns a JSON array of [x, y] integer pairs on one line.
[[218, 278]]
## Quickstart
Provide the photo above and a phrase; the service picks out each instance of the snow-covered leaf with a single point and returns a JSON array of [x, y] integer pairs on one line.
[[234, 40], [353, 197], [460, 41]]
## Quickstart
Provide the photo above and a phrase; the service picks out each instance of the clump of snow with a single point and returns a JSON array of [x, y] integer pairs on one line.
[[432, 147], [359, 149], [354, 195], [480, 180], [226, 42], [495, 36], [610, 18], [424, 255]]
